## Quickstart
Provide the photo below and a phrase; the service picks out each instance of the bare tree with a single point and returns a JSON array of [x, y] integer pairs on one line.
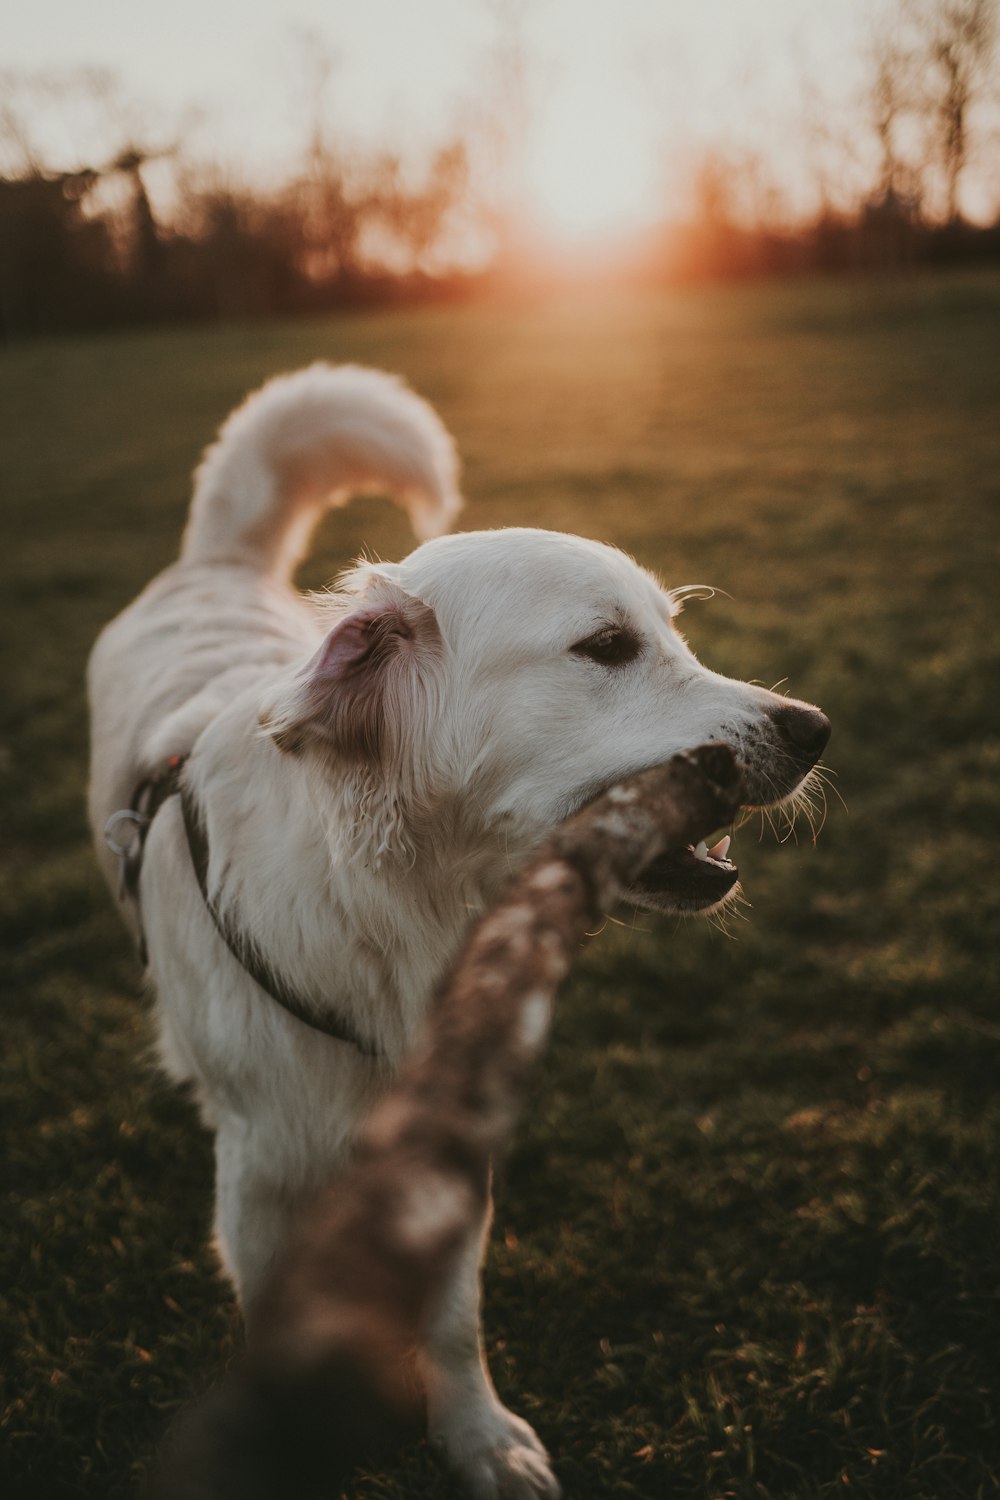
[[497, 127], [959, 40], [322, 195], [144, 244], [888, 102], [18, 150], [414, 213]]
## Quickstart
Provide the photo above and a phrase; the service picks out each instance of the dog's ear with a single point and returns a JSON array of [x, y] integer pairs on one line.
[[359, 692]]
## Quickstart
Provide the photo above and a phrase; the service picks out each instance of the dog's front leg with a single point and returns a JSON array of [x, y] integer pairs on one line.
[[255, 1212], [493, 1453]]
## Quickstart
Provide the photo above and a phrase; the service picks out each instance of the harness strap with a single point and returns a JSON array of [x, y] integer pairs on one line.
[[244, 951], [133, 822], [147, 799]]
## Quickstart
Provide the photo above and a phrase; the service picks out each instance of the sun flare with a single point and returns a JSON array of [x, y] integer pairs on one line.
[[592, 174]]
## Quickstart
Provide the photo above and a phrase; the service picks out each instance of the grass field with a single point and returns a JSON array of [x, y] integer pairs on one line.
[[748, 1239]]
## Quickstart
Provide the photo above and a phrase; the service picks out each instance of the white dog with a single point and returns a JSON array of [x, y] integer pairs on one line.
[[358, 775]]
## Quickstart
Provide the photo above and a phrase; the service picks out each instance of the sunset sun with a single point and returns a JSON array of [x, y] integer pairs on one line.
[[593, 174]]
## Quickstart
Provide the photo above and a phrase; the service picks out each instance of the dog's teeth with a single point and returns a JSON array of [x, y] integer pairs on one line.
[[721, 849], [701, 850]]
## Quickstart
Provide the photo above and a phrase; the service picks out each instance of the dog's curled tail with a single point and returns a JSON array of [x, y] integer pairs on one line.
[[312, 439]]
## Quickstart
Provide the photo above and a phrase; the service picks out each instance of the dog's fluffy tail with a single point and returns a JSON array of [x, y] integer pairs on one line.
[[312, 439]]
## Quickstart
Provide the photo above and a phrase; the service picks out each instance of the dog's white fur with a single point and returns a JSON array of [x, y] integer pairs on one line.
[[363, 802]]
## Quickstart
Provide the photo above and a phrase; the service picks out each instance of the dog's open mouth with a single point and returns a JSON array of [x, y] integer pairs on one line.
[[690, 879]]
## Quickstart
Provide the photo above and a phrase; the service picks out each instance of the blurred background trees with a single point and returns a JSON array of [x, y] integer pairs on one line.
[[150, 230]]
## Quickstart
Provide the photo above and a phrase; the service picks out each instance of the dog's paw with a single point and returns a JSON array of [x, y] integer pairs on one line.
[[495, 1455]]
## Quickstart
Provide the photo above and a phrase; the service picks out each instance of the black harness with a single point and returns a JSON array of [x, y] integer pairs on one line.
[[147, 799]]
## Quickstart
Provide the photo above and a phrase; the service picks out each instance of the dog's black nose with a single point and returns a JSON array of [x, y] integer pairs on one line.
[[804, 732]]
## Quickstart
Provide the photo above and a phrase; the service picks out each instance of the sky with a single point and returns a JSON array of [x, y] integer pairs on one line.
[[613, 81]]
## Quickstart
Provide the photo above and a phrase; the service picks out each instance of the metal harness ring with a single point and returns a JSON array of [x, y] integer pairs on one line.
[[139, 821]]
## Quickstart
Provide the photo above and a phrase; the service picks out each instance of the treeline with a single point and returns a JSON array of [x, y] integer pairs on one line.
[[886, 232], [319, 245], [330, 237], [887, 183], [86, 248]]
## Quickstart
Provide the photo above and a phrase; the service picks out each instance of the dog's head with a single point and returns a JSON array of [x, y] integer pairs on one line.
[[517, 674]]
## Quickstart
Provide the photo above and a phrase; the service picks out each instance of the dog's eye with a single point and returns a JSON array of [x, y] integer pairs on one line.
[[612, 647]]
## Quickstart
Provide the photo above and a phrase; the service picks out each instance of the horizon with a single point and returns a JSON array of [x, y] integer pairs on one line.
[[612, 126]]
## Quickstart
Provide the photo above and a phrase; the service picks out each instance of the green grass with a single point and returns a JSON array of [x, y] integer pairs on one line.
[[747, 1238]]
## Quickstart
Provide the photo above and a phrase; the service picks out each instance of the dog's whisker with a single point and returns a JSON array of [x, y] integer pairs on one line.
[[827, 779], [821, 792]]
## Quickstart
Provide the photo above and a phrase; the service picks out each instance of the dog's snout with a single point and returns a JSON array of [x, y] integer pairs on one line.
[[804, 731]]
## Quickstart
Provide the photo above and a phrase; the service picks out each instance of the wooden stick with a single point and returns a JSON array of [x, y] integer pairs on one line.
[[329, 1368]]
